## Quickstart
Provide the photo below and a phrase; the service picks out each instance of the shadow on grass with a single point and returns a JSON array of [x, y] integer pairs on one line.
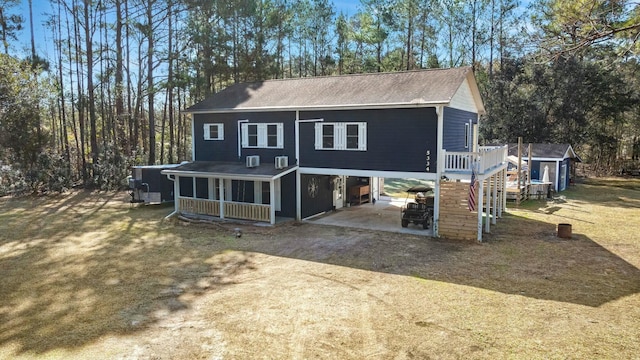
[[79, 267], [85, 266]]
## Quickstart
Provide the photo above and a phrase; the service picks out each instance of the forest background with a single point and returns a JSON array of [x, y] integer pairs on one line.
[[108, 91]]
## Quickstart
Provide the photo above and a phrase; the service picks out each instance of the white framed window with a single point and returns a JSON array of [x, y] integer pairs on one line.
[[341, 136], [467, 135], [214, 131], [263, 135]]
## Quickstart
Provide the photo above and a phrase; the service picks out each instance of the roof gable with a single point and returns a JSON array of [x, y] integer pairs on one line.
[[375, 90]]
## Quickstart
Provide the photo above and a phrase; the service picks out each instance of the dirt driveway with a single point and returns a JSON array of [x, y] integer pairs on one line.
[[86, 276]]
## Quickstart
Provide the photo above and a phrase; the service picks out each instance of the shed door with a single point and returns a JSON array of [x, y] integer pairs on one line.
[[563, 177]]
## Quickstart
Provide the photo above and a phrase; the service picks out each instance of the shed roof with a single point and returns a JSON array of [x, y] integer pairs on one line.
[[375, 90], [545, 151]]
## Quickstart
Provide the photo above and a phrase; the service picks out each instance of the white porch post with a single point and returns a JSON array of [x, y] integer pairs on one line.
[[176, 194], [479, 208], [440, 156], [272, 201], [487, 223], [494, 210], [298, 197], [221, 197]]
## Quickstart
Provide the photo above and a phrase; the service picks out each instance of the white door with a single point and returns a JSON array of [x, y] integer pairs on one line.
[[563, 177]]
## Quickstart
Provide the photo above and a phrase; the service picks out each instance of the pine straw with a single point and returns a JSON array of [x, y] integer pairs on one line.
[[86, 275]]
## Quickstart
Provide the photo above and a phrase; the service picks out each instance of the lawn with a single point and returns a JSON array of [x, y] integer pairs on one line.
[[87, 276]]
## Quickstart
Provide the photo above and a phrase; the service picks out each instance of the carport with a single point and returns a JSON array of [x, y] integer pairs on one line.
[[384, 215]]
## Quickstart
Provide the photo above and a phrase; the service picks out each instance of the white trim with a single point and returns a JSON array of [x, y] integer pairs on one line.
[[546, 159], [399, 105], [367, 173], [207, 131], [298, 197]]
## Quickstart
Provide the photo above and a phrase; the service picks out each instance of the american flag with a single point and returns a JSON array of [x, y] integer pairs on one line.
[[472, 192]]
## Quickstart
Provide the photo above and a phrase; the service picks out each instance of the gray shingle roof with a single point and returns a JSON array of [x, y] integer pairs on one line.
[[552, 151], [433, 86]]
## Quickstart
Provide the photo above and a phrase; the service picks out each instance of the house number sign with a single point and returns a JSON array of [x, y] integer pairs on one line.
[[428, 161]]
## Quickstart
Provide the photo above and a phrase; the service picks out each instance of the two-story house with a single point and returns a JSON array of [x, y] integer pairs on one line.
[[293, 148]]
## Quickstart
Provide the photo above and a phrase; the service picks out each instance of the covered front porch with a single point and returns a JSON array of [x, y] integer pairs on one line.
[[232, 190]]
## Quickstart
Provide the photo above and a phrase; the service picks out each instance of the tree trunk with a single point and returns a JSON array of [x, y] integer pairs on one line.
[[151, 90], [90, 91]]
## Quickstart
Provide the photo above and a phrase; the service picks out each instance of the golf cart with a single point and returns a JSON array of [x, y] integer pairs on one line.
[[420, 210]]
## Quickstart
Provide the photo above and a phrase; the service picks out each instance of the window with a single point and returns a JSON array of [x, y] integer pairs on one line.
[[341, 136], [327, 136], [252, 133], [272, 135], [467, 135], [214, 131], [269, 136]]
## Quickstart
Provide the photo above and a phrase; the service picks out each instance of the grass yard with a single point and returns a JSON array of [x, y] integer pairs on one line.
[[87, 276], [396, 188]]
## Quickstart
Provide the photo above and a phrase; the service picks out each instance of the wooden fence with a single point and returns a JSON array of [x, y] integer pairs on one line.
[[456, 221]]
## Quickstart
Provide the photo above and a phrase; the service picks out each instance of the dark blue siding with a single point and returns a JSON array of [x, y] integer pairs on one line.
[[288, 196], [397, 140], [227, 149], [454, 127]]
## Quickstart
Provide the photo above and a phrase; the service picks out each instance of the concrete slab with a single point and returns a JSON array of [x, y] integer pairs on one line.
[[384, 215]]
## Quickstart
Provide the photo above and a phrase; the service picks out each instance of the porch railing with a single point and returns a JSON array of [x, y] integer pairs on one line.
[[199, 206], [235, 210], [486, 159], [247, 211]]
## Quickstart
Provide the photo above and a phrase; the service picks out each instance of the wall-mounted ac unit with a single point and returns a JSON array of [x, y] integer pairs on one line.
[[253, 161], [282, 162]]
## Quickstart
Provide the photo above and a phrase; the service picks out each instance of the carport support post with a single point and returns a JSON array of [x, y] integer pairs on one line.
[[298, 197], [487, 223], [479, 209]]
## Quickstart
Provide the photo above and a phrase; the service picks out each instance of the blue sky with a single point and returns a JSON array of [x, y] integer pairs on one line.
[[44, 39]]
